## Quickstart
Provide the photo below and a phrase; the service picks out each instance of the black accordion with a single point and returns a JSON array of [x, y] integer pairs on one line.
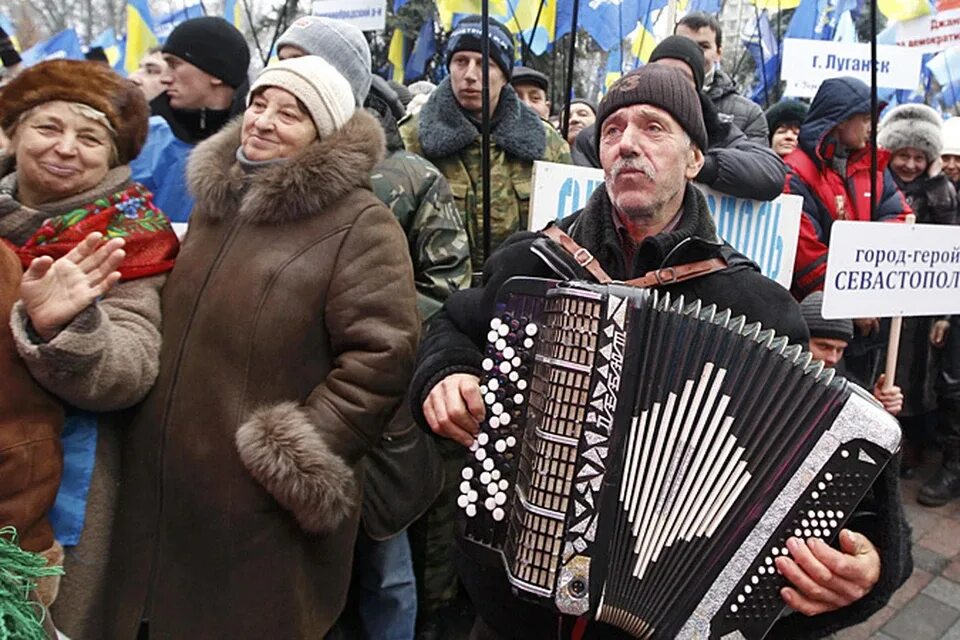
[[644, 459]]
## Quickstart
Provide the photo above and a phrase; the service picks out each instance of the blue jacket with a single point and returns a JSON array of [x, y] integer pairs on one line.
[[162, 168]]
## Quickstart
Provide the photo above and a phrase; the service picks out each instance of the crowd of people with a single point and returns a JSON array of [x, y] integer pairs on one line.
[[243, 319]]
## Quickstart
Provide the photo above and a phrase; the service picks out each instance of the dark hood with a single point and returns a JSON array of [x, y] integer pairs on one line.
[[838, 99]]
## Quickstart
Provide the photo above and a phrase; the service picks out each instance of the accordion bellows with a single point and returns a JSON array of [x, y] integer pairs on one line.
[[644, 460]]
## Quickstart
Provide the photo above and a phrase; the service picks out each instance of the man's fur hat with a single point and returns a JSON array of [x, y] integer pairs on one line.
[[912, 125], [89, 83]]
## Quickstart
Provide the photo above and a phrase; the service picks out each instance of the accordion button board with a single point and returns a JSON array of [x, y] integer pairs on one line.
[[644, 460]]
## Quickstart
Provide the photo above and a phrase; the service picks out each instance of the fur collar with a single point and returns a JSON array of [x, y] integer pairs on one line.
[[304, 186], [445, 129]]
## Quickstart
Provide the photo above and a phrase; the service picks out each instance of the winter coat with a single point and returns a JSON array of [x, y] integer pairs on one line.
[[31, 458], [105, 360], [733, 163], [814, 178], [733, 107], [444, 135], [420, 198], [934, 201], [289, 338], [454, 342]]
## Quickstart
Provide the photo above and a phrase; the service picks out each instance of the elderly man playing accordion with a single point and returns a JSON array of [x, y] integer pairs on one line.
[[649, 217]]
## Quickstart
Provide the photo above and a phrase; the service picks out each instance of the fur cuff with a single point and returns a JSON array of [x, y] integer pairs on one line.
[[285, 452]]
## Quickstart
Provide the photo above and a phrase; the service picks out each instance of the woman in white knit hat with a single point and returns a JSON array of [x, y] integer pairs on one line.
[[950, 154], [913, 134], [290, 340]]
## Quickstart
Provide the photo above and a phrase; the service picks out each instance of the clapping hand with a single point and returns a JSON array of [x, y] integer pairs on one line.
[[55, 291]]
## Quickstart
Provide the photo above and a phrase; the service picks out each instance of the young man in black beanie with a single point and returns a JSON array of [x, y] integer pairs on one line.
[[205, 85], [447, 132], [648, 218]]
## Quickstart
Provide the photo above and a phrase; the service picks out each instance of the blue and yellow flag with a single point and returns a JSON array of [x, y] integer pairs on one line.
[[447, 8], [140, 36], [423, 51], [7, 25], [111, 47], [535, 21], [395, 56], [232, 12], [901, 10]]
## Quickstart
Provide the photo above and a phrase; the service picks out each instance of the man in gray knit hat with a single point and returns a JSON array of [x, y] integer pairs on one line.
[[647, 222]]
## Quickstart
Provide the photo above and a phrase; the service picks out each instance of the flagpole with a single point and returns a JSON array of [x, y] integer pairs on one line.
[[671, 16], [485, 126], [565, 124], [874, 116], [256, 39], [779, 42], [763, 59]]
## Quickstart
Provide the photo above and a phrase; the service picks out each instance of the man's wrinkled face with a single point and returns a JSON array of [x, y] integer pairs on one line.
[[466, 78], [647, 159], [535, 98], [706, 38], [830, 350]]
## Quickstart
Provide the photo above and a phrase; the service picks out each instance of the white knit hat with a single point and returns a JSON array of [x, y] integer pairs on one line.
[[317, 84], [951, 137]]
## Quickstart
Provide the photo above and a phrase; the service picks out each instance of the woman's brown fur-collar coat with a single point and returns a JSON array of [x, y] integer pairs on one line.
[[289, 333]]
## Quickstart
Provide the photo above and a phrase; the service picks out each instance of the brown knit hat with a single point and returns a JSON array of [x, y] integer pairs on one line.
[[89, 83], [659, 86]]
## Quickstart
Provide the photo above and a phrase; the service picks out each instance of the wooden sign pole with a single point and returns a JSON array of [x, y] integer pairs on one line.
[[893, 346]]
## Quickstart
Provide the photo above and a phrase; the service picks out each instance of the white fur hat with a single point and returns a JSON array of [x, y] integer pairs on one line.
[[317, 84], [951, 136], [912, 125]]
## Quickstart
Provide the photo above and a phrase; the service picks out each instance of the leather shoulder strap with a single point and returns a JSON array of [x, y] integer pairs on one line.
[[660, 277]]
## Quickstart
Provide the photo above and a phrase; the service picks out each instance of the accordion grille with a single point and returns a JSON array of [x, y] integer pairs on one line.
[[558, 401]]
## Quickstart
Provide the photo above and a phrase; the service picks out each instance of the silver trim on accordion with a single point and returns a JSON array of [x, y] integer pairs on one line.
[[644, 459]]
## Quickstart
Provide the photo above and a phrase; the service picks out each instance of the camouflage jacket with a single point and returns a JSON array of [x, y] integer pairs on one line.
[[421, 200], [444, 135]]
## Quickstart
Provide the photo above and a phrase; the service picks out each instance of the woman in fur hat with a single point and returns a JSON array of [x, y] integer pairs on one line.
[[913, 135], [289, 332], [96, 253]]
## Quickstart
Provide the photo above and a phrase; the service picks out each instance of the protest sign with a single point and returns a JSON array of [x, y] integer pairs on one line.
[[885, 269], [764, 231], [930, 33], [807, 63], [366, 15]]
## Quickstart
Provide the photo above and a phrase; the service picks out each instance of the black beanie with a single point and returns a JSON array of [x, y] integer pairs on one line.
[[468, 36], [785, 112], [212, 45], [812, 310], [685, 49], [659, 86]]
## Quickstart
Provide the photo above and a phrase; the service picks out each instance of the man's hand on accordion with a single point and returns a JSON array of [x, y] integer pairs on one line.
[[825, 579], [454, 408]]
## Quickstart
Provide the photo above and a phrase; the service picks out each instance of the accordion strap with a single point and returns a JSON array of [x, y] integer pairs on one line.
[[659, 277]]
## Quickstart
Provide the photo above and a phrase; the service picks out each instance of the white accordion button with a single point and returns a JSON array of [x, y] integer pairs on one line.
[[509, 353], [530, 329], [504, 485], [483, 439], [505, 419], [497, 409], [485, 477], [495, 323], [494, 422], [505, 367], [464, 487], [490, 504], [488, 464], [829, 477], [487, 364], [498, 514], [528, 343], [503, 330], [500, 344], [521, 385], [500, 446], [515, 361], [467, 473], [474, 446], [472, 495], [511, 441], [480, 454], [492, 337], [495, 474], [489, 398], [514, 376], [463, 502], [518, 398], [492, 488], [500, 498], [471, 510], [493, 385]]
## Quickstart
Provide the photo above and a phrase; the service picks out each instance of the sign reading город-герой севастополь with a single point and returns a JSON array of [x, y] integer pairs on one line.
[[885, 269]]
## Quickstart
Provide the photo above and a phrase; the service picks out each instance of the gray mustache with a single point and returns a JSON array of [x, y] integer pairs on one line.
[[634, 164]]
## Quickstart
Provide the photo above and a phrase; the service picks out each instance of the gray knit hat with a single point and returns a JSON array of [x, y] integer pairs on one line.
[[812, 310], [912, 125], [951, 136], [659, 86], [341, 44]]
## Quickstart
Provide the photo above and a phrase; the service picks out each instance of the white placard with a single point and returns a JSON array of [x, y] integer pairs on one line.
[[764, 231], [366, 15], [885, 269], [931, 33], [813, 61]]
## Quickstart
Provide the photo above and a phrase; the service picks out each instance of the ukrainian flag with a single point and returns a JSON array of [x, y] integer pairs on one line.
[[776, 5], [522, 16], [395, 56], [232, 12], [901, 10], [447, 8], [140, 36], [642, 42]]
